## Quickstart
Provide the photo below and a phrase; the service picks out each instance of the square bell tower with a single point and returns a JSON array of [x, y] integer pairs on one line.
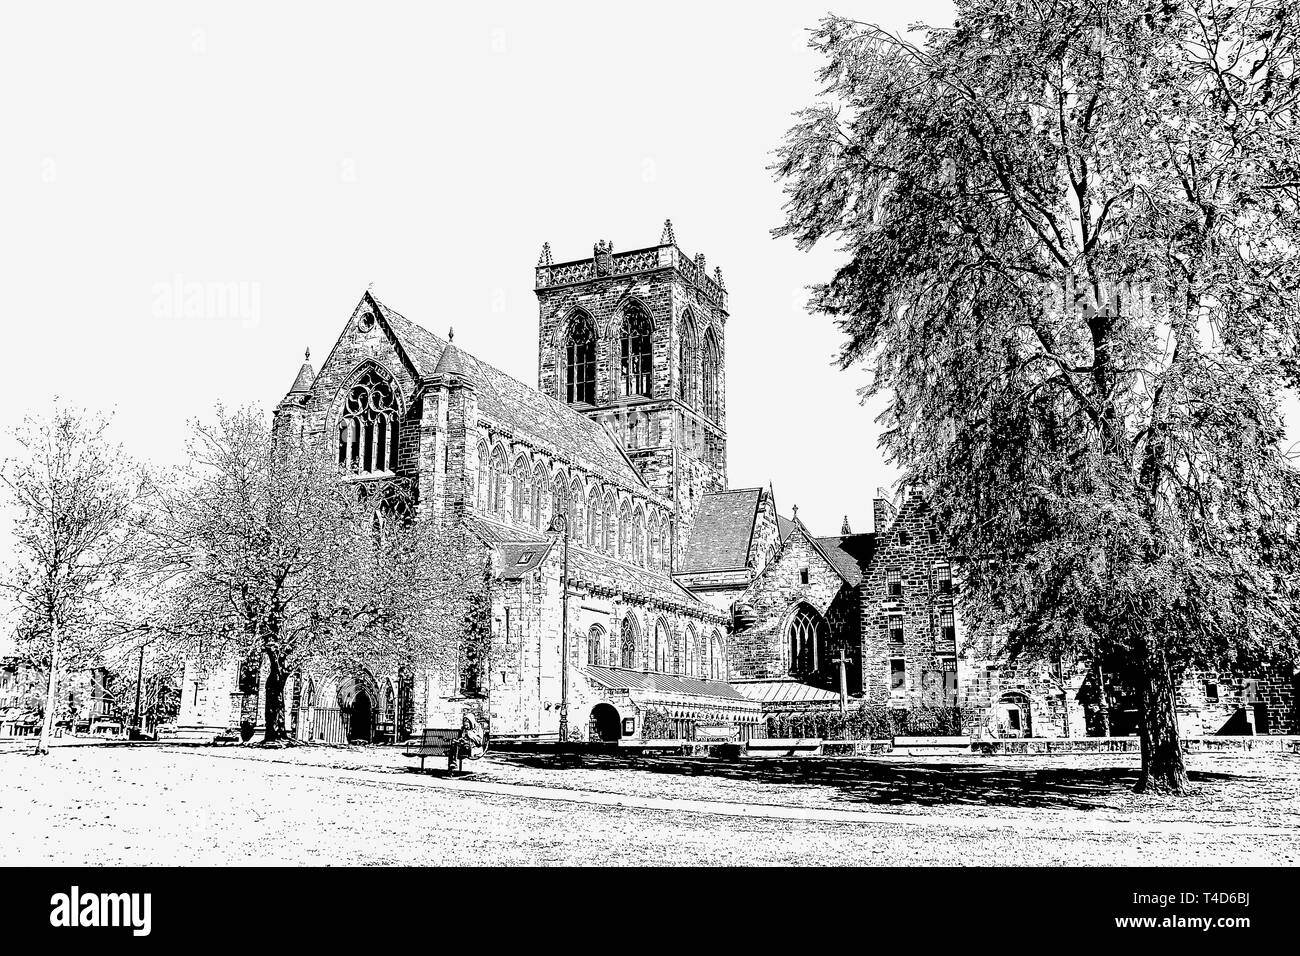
[[637, 341]]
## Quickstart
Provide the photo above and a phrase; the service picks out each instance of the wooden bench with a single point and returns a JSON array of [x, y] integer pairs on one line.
[[441, 742], [784, 747]]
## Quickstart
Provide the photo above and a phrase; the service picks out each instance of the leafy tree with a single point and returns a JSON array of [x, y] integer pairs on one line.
[[1071, 239], [77, 531], [271, 555]]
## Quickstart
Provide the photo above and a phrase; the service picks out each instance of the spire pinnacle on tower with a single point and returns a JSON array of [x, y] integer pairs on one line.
[[717, 277], [545, 258], [668, 238], [844, 528]]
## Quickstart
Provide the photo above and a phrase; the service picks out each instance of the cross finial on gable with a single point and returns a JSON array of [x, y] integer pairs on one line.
[[794, 509], [307, 354], [451, 333]]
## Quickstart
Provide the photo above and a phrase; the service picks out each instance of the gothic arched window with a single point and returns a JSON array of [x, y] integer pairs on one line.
[[577, 510], [652, 553], [637, 363], [497, 483], [627, 644], [686, 349], [692, 652], [520, 493], [368, 426], [580, 361], [717, 662], [661, 645], [712, 387], [595, 638], [540, 486], [481, 493], [610, 526], [808, 637], [593, 520], [624, 533], [638, 538]]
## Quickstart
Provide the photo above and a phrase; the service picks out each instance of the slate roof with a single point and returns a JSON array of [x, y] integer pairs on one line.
[[592, 567], [302, 383], [785, 692], [520, 557], [618, 678], [724, 526], [850, 554], [783, 527], [517, 407]]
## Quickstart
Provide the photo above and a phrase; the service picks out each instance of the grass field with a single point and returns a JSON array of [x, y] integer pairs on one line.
[[116, 805]]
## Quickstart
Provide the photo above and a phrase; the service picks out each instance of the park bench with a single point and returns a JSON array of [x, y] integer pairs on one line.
[[784, 747], [441, 742]]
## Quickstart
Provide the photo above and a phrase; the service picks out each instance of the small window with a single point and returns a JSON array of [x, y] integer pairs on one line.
[[932, 535], [947, 629], [895, 628], [903, 538], [897, 673], [894, 582], [1211, 690], [803, 575], [943, 579]]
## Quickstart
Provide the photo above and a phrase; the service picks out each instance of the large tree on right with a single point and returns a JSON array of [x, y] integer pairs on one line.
[[1071, 243]]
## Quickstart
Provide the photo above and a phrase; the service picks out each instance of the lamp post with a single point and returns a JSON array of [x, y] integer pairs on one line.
[[560, 525]]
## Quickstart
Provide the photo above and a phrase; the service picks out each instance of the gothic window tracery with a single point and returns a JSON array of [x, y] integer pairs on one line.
[[637, 353], [711, 385], [580, 361], [368, 428], [808, 636], [686, 353]]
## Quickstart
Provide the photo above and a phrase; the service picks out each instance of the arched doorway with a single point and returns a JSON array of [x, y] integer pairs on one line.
[[357, 702], [605, 723]]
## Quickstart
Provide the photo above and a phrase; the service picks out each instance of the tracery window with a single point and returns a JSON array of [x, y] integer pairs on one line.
[[661, 646], [580, 361], [692, 652], [540, 486], [520, 493], [593, 520], [481, 493], [717, 662], [497, 483], [368, 426], [594, 642], [808, 636], [636, 368], [611, 526], [624, 533], [686, 348], [638, 538], [712, 390], [627, 644]]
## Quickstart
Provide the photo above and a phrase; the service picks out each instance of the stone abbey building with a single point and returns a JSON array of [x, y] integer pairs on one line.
[[693, 608]]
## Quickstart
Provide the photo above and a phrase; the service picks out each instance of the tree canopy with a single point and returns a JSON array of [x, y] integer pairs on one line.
[[1070, 232]]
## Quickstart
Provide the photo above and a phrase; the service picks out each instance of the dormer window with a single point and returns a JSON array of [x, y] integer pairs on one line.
[[368, 427]]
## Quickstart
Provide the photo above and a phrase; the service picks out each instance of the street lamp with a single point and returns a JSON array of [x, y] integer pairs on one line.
[[560, 526]]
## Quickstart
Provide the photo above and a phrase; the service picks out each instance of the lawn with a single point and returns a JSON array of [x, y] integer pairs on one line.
[[117, 805]]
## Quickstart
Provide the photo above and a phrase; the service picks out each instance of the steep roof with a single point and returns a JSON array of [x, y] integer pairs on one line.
[[724, 526], [520, 557], [517, 407], [850, 554], [783, 527]]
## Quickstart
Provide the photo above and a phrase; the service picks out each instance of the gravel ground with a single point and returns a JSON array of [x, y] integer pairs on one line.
[[339, 806]]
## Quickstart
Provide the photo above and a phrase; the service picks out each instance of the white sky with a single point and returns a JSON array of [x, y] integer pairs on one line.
[[297, 151]]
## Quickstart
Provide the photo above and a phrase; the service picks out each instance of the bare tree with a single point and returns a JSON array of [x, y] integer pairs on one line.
[[76, 532], [270, 554]]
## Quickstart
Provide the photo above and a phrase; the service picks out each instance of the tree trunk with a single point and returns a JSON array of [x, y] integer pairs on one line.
[[51, 690], [1162, 756], [276, 676]]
